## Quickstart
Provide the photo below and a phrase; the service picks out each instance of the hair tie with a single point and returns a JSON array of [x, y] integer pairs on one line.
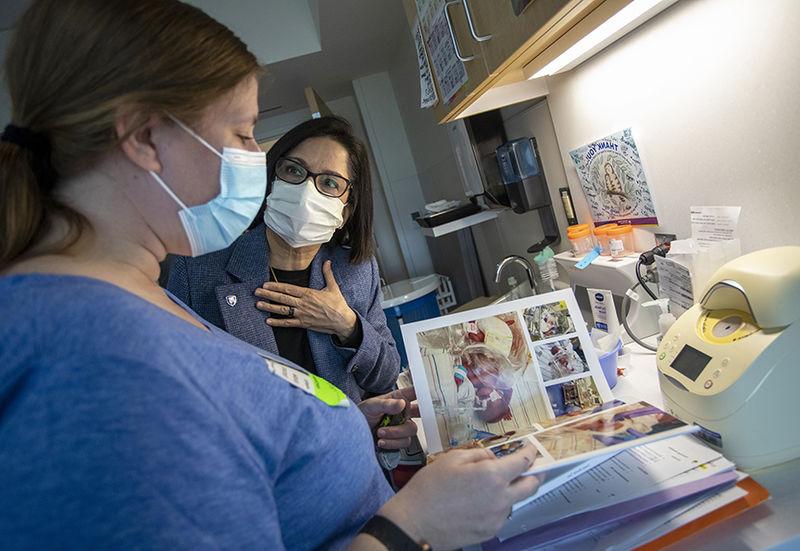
[[38, 146]]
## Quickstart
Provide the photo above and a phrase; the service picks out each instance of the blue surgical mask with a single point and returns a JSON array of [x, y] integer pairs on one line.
[[213, 226]]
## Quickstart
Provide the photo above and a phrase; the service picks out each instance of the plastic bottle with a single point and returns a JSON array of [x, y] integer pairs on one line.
[[548, 269], [512, 285], [665, 319]]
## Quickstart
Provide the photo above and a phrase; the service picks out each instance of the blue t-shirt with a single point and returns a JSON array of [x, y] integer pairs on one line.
[[122, 426]]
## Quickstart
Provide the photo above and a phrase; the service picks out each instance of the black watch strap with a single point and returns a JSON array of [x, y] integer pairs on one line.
[[391, 535]]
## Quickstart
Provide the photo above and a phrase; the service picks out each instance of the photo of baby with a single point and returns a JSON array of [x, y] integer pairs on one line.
[[548, 320], [482, 378], [560, 359]]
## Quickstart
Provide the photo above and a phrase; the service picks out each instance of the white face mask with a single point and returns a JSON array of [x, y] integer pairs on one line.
[[301, 215]]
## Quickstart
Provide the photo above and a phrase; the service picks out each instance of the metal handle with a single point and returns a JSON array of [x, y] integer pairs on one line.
[[452, 32], [472, 24]]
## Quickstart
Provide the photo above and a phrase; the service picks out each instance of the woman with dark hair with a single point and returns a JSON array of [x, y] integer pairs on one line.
[[303, 282]]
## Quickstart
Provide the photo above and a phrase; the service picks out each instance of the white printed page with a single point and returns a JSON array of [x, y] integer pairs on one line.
[[712, 224], [635, 472]]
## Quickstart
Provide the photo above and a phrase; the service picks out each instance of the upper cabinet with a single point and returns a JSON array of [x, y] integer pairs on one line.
[[506, 33], [500, 41]]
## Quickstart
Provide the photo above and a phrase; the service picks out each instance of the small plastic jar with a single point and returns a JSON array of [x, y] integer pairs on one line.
[[581, 241], [577, 227], [620, 241], [602, 239]]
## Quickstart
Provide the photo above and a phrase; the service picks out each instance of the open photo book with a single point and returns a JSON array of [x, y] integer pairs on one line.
[[592, 438], [525, 372]]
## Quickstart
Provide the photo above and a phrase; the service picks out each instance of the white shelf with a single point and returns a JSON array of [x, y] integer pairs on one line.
[[461, 223], [601, 261]]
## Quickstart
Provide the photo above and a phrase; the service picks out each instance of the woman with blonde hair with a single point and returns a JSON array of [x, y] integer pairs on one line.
[[125, 419]]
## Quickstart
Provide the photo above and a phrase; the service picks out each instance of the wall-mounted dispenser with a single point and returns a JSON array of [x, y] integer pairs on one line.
[[526, 186]]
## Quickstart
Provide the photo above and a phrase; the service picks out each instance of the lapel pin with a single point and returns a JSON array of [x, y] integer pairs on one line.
[[231, 300]]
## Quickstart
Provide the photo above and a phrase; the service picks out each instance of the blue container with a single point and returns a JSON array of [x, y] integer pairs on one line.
[[409, 301], [608, 362]]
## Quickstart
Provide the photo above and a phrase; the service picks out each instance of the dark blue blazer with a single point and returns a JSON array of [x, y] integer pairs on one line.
[[219, 286]]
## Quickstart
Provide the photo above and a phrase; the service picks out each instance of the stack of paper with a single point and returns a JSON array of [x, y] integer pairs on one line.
[[643, 493]]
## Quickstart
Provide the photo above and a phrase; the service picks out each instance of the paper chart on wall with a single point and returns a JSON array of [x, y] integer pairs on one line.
[[428, 95], [448, 70], [613, 180], [501, 368]]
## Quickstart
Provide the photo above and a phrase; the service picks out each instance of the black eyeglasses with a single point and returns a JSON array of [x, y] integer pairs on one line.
[[292, 171]]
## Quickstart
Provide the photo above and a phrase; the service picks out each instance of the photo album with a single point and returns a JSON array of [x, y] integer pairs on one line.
[[524, 372], [615, 474]]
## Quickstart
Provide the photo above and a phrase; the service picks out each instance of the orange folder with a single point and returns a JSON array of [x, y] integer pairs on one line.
[[756, 494]]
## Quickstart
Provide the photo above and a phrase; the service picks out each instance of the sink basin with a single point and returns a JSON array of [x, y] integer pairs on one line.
[[520, 291]]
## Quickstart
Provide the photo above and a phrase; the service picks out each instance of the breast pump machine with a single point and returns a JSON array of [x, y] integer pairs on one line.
[[731, 364]]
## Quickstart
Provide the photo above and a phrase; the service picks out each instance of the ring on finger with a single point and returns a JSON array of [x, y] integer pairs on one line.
[[290, 311]]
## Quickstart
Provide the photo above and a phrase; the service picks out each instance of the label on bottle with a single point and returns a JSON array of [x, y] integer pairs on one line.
[[616, 246]]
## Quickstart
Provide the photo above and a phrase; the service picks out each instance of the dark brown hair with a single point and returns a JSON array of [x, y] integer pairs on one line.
[[72, 66], [357, 231]]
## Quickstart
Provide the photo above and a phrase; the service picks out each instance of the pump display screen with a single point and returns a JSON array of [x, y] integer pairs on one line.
[[690, 362]]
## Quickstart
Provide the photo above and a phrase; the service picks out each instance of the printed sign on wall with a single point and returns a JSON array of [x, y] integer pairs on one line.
[[613, 180]]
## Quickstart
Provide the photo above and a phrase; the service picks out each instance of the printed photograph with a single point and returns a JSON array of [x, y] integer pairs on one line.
[[574, 396], [548, 320], [481, 378], [606, 429], [560, 359]]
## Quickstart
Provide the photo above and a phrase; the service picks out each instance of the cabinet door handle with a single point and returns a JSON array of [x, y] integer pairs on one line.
[[472, 24], [453, 33]]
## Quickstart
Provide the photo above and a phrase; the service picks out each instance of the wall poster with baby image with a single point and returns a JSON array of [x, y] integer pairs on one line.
[[613, 180], [513, 366]]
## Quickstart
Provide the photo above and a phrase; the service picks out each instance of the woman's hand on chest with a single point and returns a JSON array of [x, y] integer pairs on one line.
[[324, 311]]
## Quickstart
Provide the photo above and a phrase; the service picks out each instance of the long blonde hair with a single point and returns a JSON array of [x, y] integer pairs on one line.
[[72, 65]]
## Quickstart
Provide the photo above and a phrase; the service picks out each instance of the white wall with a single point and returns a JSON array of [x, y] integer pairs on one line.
[[390, 146], [389, 255], [711, 89], [439, 177], [524, 120], [513, 233]]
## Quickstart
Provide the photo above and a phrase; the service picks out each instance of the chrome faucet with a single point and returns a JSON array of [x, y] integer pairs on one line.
[[516, 259]]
